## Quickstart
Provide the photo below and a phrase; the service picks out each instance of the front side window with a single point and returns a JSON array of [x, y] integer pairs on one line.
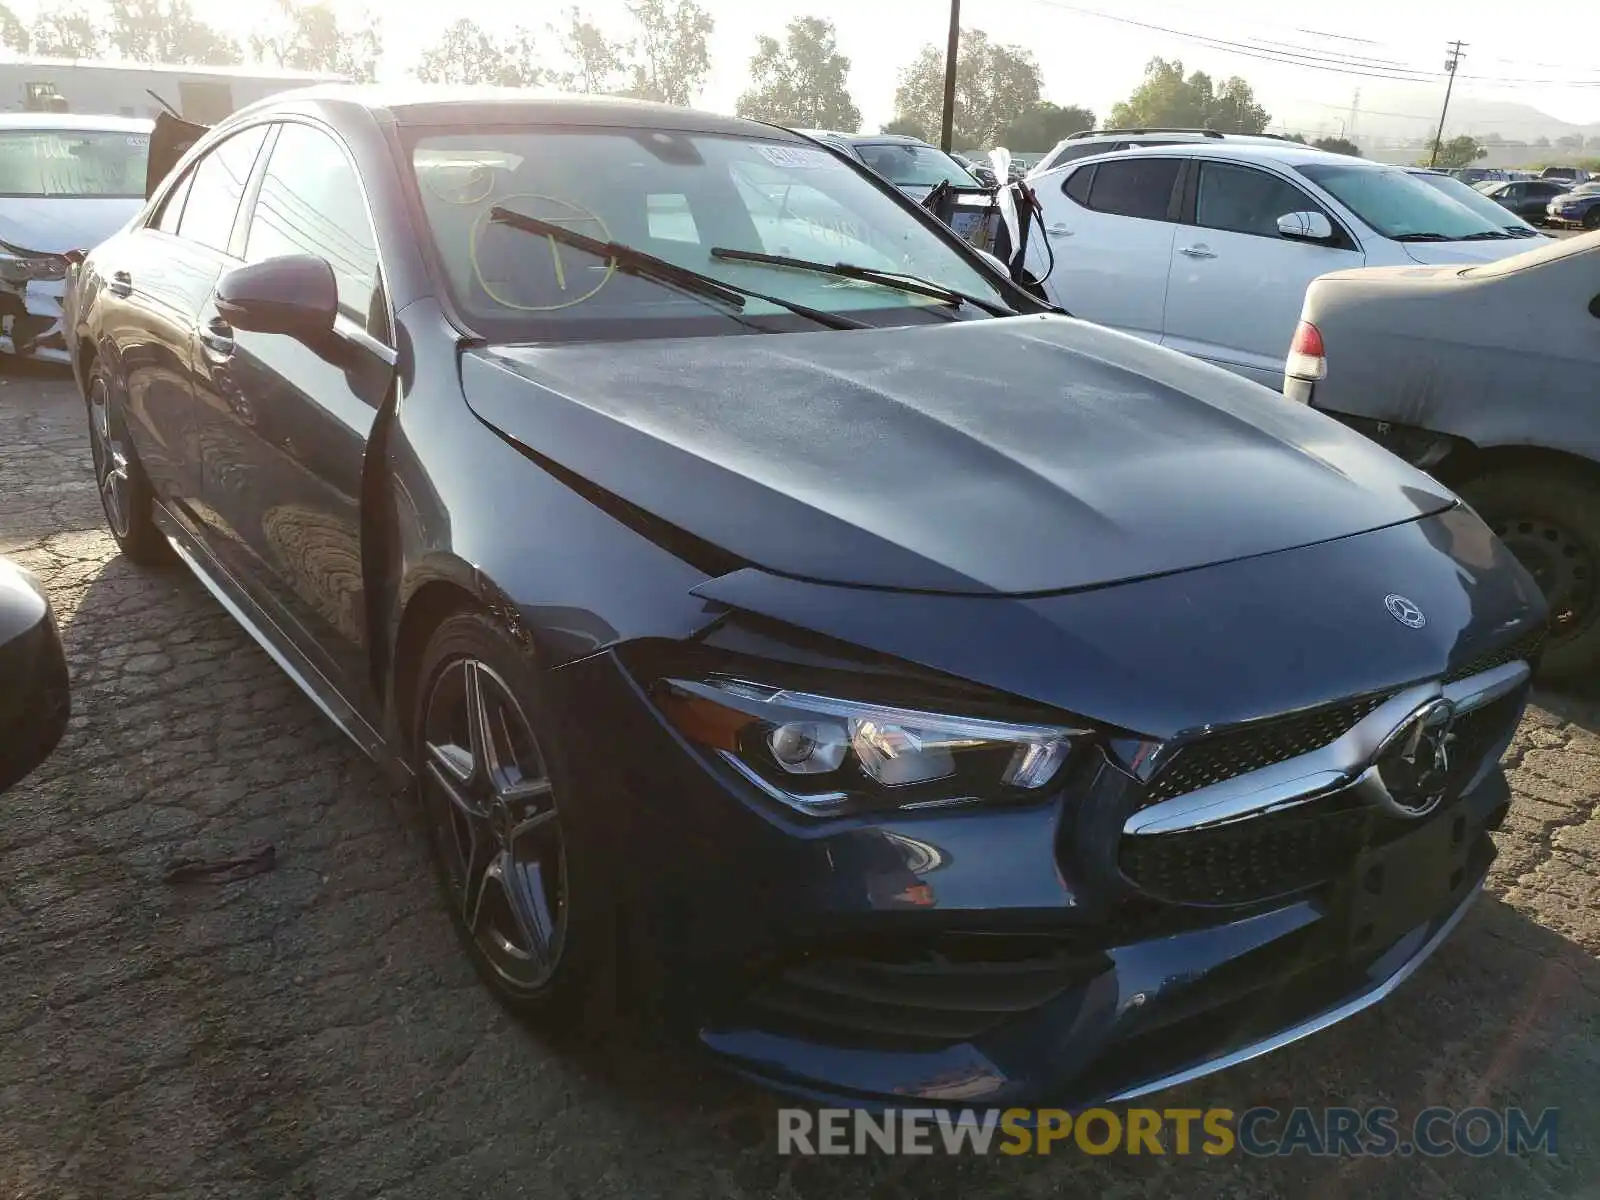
[[171, 211], [677, 196], [218, 183], [1399, 205], [311, 203], [70, 162], [1134, 187], [1244, 200]]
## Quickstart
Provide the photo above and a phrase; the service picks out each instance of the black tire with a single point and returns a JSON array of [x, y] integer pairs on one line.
[[1550, 519], [125, 493], [575, 988], [1591, 219]]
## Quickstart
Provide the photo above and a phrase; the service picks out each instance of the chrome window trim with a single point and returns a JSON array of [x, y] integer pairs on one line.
[[1317, 773]]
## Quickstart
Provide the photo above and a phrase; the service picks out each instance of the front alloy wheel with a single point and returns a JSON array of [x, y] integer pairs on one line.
[[125, 493], [492, 813]]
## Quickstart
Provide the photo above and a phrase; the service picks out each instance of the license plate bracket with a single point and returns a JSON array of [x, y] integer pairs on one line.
[[1397, 886]]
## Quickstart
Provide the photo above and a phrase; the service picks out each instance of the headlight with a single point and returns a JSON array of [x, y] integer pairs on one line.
[[826, 756]]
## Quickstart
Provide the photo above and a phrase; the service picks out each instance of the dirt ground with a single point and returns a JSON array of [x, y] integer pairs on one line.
[[314, 1032]]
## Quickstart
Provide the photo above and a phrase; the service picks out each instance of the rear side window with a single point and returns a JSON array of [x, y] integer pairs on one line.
[[1076, 187], [1134, 187], [217, 185], [1244, 200]]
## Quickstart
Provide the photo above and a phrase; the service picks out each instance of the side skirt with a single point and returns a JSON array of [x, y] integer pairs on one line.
[[255, 621]]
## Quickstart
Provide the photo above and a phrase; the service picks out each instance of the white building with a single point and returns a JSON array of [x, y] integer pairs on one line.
[[201, 94]]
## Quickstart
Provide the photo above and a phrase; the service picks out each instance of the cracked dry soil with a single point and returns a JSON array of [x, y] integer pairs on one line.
[[313, 1032]]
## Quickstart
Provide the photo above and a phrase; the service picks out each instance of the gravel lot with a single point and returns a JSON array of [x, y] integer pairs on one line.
[[313, 1032]]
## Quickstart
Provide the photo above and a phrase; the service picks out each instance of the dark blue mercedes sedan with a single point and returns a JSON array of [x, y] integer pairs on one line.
[[787, 624]]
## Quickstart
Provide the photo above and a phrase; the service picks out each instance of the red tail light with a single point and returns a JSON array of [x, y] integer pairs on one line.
[[1307, 359]]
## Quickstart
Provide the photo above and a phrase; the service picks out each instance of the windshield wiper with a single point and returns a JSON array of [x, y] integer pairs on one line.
[[890, 279], [647, 266], [1422, 237], [1487, 235]]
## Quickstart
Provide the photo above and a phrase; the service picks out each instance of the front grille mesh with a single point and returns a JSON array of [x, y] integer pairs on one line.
[[1526, 648], [1226, 755]]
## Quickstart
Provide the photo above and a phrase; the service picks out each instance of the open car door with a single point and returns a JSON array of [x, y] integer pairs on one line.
[[169, 140]]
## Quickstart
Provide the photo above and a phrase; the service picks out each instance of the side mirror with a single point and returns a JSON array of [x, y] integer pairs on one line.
[[294, 295], [35, 701], [1305, 227]]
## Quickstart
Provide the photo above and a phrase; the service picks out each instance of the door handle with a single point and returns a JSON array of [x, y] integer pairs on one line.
[[121, 283], [1058, 231], [216, 339], [1197, 252]]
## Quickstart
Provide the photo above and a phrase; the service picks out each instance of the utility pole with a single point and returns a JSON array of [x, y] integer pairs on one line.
[[947, 129], [1450, 65]]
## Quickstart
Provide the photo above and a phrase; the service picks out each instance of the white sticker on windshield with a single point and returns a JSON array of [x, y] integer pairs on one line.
[[797, 156], [140, 140]]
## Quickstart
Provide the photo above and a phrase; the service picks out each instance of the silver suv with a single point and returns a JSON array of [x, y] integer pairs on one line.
[[1099, 141]]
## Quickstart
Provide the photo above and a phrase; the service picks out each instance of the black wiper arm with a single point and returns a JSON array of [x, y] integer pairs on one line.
[[890, 279], [646, 265], [1422, 237], [1486, 235]]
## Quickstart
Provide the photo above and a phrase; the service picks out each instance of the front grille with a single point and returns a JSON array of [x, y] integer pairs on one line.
[[1297, 849], [1237, 752], [1525, 648], [1247, 861], [924, 996]]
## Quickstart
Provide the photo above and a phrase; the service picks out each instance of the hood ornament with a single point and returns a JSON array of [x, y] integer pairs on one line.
[[1402, 610]]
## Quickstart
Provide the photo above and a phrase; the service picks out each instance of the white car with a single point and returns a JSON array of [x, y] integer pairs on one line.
[[67, 182], [1101, 141], [1208, 247]]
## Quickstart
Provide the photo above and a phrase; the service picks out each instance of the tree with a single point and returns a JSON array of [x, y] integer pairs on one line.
[[1542, 142], [911, 127], [801, 81], [994, 83], [464, 53], [13, 33], [1337, 145], [167, 31], [1459, 152], [1167, 98], [1041, 125], [1298, 137], [1571, 141], [309, 37], [67, 33], [594, 60], [670, 57]]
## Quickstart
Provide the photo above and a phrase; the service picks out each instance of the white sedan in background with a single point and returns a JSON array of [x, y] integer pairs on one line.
[[67, 182], [1208, 247]]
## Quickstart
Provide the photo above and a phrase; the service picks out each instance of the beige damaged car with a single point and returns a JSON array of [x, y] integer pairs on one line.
[[1488, 377]]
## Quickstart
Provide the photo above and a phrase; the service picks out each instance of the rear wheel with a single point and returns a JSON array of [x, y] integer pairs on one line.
[[1550, 519], [522, 885], [1591, 219], [125, 492]]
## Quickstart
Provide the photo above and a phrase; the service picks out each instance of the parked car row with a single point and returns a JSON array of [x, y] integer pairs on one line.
[[788, 625]]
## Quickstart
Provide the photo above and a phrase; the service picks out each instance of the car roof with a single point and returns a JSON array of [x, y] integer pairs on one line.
[[83, 121], [1289, 154], [870, 139], [425, 104]]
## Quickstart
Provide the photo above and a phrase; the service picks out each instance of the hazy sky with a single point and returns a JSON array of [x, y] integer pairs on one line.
[[1092, 60]]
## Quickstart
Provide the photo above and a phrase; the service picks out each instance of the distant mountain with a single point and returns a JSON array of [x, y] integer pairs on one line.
[[1411, 112]]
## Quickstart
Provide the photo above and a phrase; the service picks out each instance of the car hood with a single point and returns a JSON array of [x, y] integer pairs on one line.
[[56, 224], [1023, 455], [1464, 252]]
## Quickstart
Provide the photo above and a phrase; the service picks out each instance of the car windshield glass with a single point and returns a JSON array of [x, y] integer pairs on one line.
[[1475, 200], [674, 196], [1398, 204], [72, 162], [909, 165]]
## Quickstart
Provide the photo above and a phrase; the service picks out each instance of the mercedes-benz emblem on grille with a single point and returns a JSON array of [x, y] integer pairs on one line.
[[1402, 610], [1414, 765]]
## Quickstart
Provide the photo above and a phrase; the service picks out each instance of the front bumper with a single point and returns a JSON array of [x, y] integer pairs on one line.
[[31, 320], [1010, 956]]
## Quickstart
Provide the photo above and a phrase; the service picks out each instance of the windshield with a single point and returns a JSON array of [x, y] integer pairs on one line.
[[70, 162], [906, 164], [676, 196], [1397, 204], [1477, 201]]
